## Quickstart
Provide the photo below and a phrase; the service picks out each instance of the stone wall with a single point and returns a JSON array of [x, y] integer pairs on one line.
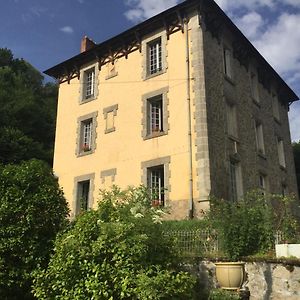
[[264, 280]]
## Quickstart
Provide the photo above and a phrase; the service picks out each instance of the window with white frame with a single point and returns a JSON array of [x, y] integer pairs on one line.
[[83, 194], [155, 114], [86, 134], [89, 83], [236, 184], [227, 58], [156, 183], [254, 86], [280, 149], [259, 135], [231, 119], [154, 57], [275, 107]]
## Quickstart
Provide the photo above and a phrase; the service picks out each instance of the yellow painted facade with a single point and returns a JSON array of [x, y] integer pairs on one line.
[[124, 149]]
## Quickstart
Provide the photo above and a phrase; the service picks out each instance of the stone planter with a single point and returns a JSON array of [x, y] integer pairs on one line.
[[230, 275], [287, 250]]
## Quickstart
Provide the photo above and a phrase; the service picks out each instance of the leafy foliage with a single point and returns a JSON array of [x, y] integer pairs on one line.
[[248, 226], [28, 107], [115, 252], [32, 211], [219, 294]]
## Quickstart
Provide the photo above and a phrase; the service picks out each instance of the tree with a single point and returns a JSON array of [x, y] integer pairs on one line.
[[115, 252], [32, 211], [27, 105], [296, 149]]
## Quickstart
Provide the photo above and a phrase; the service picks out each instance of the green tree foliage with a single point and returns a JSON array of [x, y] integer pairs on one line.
[[28, 106], [247, 227], [296, 149], [115, 252], [32, 211]]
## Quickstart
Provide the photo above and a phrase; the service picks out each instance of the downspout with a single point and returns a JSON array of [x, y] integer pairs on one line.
[[188, 96]]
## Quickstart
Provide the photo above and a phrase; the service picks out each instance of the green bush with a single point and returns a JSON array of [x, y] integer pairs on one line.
[[187, 225], [32, 211], [247, 227], [115, 252], [219, 294]]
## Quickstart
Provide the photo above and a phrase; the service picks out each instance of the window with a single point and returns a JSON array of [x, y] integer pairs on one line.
[[89, 77], [88, 83], [155, 175], [262, 183], [155, 114], [83, 191], [259, 138], [227, 57], [156, 183], [284, 190], [86, 134], [231, 119], [254, 86], [275, 107], [154, 58], [236, 185], [280, 149]]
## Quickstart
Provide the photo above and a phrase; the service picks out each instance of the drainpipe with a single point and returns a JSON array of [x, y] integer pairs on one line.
[[188, 94]]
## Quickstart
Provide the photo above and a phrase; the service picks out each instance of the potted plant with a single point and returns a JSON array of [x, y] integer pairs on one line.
[[85, 148]]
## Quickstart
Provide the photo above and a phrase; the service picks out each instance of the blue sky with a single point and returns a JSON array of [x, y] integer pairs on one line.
[[46, 32]]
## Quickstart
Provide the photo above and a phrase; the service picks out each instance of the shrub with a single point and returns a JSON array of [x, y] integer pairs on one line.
[[219, 294], [115, 252], [248, 226], [32, 211]]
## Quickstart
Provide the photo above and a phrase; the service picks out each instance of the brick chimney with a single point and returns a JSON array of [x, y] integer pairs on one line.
[[86, 44]]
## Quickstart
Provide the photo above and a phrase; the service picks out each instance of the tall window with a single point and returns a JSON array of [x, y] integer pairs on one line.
[[154, 56], [262, 183], [83, 191], [231, 119], [259, 138], [155, 114], [236, 185], [156, 183], [281, 156], [227, 57], [89, 77], [86, 137], [254, 86], [275, 107]]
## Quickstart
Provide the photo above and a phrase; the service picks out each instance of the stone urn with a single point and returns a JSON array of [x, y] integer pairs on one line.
[[230, 275]]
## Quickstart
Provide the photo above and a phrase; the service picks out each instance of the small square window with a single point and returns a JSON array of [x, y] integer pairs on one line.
[[156, 183], [83, 194], [259, 138], [89, 82], [155, 115], [109, 117], [227, 58], [262, 183], [154, 57]]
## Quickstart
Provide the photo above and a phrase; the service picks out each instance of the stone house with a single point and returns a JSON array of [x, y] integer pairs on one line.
[[182, 103]]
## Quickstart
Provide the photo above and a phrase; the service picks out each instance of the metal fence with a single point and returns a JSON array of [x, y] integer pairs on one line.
[[194, 242]]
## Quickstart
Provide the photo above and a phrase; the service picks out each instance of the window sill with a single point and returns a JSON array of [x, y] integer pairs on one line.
[[112, 75], [256, 102], [155, 135], [283, 168], [233, 138], [148, 76], [84, 101], [110, 130], [84, 153], [262, 155], [229, 79]]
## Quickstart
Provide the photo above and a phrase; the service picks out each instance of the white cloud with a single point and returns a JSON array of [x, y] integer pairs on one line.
[[248, 4], [295, 3], [250, 24], [143, 9], [279, 44], [67, 29]]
